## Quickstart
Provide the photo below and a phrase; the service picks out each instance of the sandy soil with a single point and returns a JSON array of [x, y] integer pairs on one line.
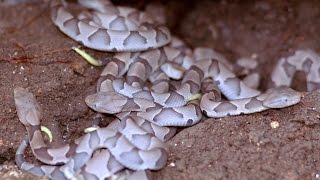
[[36, 56]]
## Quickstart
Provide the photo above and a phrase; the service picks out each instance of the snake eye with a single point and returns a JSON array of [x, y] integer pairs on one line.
[[205, 112], [189, 122]]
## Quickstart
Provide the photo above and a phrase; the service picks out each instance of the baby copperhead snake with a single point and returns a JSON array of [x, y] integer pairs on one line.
[[136, 142], [112, 28], [125, 143]]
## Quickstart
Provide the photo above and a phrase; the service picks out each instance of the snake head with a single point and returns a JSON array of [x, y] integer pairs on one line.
[[106, 102], [28, 109], [280, 97]]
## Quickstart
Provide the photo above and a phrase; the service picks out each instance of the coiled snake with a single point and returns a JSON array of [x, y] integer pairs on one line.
[[135, 140]]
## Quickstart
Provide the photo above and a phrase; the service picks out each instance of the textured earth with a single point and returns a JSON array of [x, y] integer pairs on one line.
[[36, 56]]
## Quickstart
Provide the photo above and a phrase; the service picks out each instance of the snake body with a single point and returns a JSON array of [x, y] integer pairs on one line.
[[226, 81], [117, 36], [305, 60], [135, 139], [129, 144], [279, 97]]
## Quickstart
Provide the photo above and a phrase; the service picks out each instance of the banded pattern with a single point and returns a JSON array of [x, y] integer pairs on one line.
[[127, 143], [305, 60], [135, 139], [111, 34]]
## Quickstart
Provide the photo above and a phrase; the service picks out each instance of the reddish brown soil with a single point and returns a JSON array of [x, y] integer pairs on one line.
[[36, 56]]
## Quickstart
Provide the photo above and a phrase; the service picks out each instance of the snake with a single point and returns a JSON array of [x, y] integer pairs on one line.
[[145, 51], [242, 99], [127, 29], [128, 145], [305, 60], [247, 67]]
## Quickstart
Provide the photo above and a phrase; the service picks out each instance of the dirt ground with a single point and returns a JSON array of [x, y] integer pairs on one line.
[[36, 56]]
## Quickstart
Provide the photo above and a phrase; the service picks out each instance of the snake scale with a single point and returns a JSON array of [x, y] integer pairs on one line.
[[151, 84]]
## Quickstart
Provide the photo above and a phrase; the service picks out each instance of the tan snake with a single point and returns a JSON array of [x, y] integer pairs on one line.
[[136, 142]]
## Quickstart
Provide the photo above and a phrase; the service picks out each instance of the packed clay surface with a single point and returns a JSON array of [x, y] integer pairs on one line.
[[276, 144]]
